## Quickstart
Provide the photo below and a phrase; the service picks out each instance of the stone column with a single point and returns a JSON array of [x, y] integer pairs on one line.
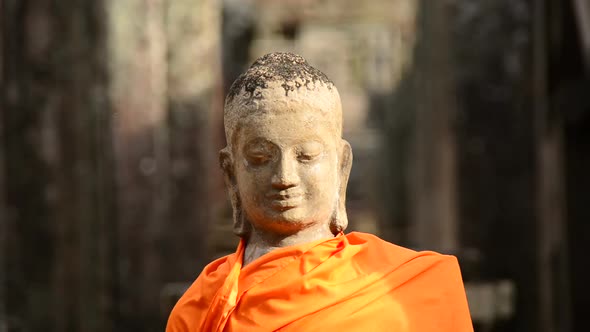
[[195, 96], [56, 143], [433, 189], [166, 84], [496, 153], [137, 52], [554, 301]]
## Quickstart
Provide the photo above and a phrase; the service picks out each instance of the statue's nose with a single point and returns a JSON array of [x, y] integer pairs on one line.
[[285, 175]]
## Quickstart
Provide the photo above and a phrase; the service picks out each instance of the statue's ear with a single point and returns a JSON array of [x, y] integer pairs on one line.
[[340, 219], [226, 164], [241, 227]]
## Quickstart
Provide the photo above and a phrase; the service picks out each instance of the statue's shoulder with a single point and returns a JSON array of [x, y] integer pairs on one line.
[[392, 255]]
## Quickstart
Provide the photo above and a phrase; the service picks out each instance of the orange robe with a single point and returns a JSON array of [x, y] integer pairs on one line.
[[354, 282]]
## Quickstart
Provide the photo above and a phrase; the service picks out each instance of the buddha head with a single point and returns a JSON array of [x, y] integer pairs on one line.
[[285, 165]]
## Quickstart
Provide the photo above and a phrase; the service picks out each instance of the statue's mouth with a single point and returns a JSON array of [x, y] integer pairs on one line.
[[283, 201]]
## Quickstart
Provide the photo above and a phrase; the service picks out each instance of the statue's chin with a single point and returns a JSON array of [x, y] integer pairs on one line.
[[291, 216], [288, 221]]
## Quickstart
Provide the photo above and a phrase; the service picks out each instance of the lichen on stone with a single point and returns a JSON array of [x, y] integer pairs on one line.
[[291, 69]]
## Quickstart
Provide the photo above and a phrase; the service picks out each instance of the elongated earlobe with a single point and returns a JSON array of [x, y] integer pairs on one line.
[[339, 220], [241, 226]]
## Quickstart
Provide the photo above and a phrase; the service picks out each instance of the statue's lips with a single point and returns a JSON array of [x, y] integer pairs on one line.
[[283, 202]]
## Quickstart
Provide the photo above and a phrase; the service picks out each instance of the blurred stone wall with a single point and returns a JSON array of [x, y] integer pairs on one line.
[[108, 109], [58, 216], [166, 78]]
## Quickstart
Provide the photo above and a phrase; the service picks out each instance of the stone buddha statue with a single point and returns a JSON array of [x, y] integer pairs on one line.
[[286, 168], [286, 165]]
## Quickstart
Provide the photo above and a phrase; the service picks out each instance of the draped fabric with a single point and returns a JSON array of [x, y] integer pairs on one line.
[[348, 283]]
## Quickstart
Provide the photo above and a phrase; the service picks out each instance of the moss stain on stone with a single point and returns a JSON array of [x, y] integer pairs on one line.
[[290, 68]]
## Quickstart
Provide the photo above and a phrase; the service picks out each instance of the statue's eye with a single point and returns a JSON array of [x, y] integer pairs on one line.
[[258, 154], [258, 159], [309, 151]]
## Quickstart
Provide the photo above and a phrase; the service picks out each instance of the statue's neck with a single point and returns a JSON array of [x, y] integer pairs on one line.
[[260, 242]]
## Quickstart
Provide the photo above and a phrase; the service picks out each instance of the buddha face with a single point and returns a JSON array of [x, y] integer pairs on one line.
[[287, 168]]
